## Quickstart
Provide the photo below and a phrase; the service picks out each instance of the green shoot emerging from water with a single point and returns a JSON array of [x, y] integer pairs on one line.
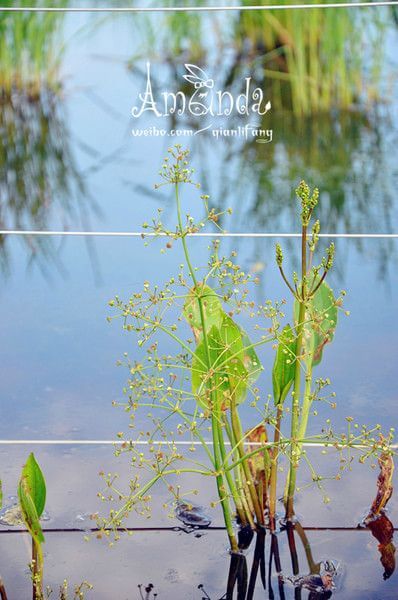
[[32, 500]]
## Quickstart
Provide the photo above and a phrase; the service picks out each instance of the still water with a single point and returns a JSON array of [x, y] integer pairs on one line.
[[69, 162]]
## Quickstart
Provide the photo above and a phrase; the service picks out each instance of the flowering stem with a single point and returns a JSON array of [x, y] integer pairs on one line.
[[218, 449], [294, 447]]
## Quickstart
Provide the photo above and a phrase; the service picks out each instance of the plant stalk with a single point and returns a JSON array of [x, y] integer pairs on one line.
[[274, 468], [238, 434], [294, 447], [37, 571], [216, 412]]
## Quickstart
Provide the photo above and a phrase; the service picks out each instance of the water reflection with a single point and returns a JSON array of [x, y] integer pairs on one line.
[[314, 60], [349, 153], [38, 173], [265, 571]]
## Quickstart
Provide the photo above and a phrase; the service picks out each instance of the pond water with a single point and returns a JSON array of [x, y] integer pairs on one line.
[[84, 171], [177, 562]]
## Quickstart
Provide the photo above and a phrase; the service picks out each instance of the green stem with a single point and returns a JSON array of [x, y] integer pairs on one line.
[[291, 481], [238, 470], [307, 401], [294, 448], [231, 483], [274, 468], [237, 431], [116, 518], [298, 440], [37, 571], [216, 412]]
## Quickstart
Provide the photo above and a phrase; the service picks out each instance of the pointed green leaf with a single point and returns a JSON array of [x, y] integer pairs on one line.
[[212, 309], [29, 512], [321, 316], [226, 375], [250, 359], [231, 335], [325, 314], [233, 364], [238, 343], [34, 483], [284, 365]]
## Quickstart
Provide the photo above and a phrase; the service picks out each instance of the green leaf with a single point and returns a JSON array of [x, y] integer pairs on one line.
[[231, 336], [227, 374], [284, 365], [250, 359], [238, 343], [212, 308], [233, 366], [34, 483], [321, 315], [29, 512]]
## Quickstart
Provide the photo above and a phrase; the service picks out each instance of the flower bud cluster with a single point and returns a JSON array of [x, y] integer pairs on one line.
[[308, 201], [327, 262], [315, 235], [279, 255]]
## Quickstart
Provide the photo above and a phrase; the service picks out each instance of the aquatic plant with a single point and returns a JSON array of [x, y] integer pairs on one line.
[[30, 511], [32, 500], [212, 369], [219, 359], [315, 321]]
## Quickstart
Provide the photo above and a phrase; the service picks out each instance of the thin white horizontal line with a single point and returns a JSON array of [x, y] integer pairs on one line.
[[137, 9], [199, 234], [146, 443]]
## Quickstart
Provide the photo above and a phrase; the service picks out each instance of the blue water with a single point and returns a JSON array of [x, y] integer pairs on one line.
[[57, 361]]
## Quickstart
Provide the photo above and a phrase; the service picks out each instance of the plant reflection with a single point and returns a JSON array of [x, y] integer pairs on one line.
[[39, 179], [38, 172], [314, 60], [318, 579], [383, 530], [377, 521]]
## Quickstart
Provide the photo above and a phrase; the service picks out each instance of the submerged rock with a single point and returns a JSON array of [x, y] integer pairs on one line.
[[315, 582], [11, 515], [191, 514]]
